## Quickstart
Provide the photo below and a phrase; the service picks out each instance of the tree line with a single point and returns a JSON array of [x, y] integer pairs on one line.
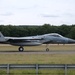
[[23, 30]]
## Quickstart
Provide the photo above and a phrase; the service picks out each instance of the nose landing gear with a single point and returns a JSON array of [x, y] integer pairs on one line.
[[47, 49]]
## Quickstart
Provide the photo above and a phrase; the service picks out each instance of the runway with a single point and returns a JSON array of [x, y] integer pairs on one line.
[[39, 52]]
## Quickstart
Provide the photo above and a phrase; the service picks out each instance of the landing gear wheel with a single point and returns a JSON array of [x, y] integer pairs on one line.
[[21, 49], [47, 49]]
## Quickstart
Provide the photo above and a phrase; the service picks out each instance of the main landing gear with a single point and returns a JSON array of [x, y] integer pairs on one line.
[[47, 49], [21, 49]]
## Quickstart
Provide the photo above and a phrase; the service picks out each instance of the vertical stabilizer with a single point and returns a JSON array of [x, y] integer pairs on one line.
[[2, 39]]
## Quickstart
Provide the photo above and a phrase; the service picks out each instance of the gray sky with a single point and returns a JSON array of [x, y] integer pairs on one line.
[[37, 12]]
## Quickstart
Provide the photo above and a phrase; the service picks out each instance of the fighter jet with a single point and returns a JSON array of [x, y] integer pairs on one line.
[[52, 38]]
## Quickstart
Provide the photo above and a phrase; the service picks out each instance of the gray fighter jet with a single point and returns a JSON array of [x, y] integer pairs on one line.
[[52, 38]]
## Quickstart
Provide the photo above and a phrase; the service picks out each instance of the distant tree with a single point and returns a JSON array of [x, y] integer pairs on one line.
[[64, 30], [18, 31], [72, 33]]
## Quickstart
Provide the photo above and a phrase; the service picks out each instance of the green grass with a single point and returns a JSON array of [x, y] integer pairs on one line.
[[40, 72], [38, 58]]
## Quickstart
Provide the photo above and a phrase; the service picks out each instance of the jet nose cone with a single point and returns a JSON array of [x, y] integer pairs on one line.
[[71, 41]]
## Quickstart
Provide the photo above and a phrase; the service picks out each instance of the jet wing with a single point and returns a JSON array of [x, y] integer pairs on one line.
[[23, 39]]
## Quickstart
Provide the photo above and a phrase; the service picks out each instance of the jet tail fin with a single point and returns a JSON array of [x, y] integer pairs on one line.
[[2, 39]]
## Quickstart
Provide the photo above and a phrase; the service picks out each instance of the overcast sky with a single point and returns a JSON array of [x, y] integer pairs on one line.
[[37, 12]]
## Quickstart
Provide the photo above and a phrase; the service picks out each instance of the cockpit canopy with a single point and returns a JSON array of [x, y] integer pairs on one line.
[[54, 35]]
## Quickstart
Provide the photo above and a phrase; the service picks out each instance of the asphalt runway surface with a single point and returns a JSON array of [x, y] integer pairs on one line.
[[39, 52]]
